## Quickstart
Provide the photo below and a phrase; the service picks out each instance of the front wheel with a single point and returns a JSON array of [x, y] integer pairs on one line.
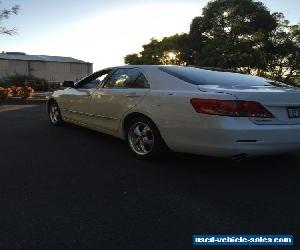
[[54, 114], [143, 139]]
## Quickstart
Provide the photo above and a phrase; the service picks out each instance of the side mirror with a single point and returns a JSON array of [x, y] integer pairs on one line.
[[68, 84]]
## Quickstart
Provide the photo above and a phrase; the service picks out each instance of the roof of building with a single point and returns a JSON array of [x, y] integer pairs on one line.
[[24, 57]]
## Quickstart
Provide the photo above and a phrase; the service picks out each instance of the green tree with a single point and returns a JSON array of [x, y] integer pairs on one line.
[[156, 52], [282, 51], [230, 32], [5, 14], [240, 35]]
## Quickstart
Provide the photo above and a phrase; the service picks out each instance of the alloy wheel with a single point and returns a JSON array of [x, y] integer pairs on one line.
[[141, 138], [54, 113]]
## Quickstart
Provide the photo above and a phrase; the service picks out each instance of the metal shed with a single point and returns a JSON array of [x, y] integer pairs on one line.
[[50, 68]]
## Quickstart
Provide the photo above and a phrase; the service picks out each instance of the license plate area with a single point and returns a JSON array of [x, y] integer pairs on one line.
[[293, 113]]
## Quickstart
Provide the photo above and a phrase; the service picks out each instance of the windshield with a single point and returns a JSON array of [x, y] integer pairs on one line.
[[200, 76]]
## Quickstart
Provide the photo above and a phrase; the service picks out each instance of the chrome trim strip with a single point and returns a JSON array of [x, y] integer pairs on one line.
[[90, 115]]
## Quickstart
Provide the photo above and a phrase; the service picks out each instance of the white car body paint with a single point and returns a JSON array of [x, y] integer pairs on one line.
[[167, 103]]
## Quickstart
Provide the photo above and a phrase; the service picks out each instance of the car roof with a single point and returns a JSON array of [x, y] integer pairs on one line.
[[166, 66], [141, 66]]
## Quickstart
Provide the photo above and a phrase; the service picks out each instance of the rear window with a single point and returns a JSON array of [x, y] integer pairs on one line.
[[199, 76]]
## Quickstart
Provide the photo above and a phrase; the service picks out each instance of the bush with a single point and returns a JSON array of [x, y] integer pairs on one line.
[[3, 93], [10, 92], [23, 80], [23, 92]]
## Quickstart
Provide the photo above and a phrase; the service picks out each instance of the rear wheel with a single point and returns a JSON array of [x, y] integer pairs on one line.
[[143, 138], [54, 114]]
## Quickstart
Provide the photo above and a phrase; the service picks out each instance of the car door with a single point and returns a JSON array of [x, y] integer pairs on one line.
[[123, 90], [79, 98]]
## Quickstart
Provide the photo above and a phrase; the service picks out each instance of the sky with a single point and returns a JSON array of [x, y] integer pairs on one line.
[[104, 32]]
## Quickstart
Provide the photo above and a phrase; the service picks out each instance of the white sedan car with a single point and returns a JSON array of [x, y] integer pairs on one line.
[[194, 110]]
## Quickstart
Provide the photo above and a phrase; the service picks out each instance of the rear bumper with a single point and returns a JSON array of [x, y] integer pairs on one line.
[[229, 139]]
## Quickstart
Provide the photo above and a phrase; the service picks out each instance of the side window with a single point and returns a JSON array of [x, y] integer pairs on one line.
[[90, 85], [140, 82], [117, 80], [102, 78], [127, 78], [93, 80], [96, 81]]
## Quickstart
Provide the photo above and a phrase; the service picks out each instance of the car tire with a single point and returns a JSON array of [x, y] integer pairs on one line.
[[54, 114], [143, 139]]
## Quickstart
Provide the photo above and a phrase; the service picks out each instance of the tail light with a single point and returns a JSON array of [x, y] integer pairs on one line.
[[230, 108]]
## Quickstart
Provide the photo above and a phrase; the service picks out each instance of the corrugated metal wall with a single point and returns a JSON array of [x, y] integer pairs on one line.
[[51, 71]]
